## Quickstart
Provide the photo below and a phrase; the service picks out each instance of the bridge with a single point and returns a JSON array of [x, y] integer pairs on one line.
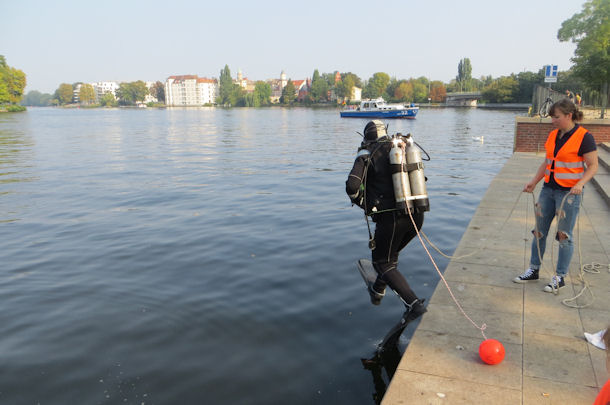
[[463, 99]]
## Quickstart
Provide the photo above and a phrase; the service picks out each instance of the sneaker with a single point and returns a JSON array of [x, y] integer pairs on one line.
[[529, 275], [414, 310], [375, 296], [556, 283]]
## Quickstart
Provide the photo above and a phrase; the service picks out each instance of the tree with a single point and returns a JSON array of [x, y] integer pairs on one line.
[[420, 90], [288, 93], [108, 100], [464, 74], [527, 83], [404, 91], [131, 93], [376, 85], [64, 94], [319, 88], [157, 90], [590, 31], [12, 83], [86, 94], [228, 93], [501, 90], [262, 93], [37, 99], [438, 92]]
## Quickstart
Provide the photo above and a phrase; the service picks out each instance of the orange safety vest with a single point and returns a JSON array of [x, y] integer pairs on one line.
[[569, 167]]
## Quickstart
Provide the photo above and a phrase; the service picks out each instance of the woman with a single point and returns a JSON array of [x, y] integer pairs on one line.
[[571, 161]]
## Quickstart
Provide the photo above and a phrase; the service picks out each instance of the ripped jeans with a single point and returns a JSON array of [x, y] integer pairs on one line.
[[549, 202]]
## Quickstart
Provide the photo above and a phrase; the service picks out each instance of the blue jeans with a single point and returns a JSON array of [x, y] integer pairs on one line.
[[549, 203]]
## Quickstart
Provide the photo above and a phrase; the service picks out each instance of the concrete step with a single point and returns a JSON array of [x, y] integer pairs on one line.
[[601, 181]]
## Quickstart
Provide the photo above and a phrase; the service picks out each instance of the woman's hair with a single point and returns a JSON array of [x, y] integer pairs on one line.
[[566, 106]]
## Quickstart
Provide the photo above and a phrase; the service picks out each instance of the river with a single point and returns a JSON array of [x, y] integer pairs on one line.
[[208, 256]]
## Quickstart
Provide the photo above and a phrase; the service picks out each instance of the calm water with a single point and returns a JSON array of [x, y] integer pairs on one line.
[[207, 256]]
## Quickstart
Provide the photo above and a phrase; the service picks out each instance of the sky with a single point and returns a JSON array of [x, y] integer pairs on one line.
[[66, 41]]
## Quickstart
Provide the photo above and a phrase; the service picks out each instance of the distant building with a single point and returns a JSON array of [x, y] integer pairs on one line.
[[244, 83], [277, 86], [190, 90], [149, 97], [301, 87], [102, 88], [75, 93], [356, 95]]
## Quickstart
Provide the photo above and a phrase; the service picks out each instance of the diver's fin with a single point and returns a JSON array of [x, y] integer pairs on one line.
[[367, 271], [391, 338]]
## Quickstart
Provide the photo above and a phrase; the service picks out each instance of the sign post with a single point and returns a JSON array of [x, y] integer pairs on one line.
[[550, 74]]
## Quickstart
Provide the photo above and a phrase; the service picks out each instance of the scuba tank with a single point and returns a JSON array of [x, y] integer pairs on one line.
[[400, 177], [408, 175]]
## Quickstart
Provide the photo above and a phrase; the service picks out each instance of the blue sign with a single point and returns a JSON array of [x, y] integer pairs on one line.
[[550, 73]]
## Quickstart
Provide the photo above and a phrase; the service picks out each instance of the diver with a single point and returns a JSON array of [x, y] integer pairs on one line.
[[371, 186]]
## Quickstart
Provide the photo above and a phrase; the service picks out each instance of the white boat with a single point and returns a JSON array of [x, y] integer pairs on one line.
[[378, 108]]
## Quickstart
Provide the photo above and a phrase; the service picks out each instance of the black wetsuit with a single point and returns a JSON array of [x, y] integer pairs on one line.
[[394, 229]]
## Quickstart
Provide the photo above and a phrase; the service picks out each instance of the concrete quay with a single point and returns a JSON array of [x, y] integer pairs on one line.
[[548, 360]]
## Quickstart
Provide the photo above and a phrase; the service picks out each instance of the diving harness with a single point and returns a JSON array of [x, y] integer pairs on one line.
[[408, 180]]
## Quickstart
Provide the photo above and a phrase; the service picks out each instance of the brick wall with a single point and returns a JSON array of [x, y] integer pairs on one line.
[[531, 133]]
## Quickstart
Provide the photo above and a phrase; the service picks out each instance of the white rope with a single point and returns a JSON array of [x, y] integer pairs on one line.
[[478, 249], [480, 328]]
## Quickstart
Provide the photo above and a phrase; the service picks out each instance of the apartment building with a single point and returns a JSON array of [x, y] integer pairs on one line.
[[190, 90], [102, 88]]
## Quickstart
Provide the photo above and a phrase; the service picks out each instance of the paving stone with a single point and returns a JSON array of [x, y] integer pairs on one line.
[[502, 326], [559, 359], [415, 388], [539, 391], [457, 357]]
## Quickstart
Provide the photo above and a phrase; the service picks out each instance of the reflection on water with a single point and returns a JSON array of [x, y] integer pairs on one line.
[[15, 162], [208, 255]]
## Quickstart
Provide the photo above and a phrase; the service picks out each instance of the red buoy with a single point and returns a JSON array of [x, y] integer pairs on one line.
[[491, 351]]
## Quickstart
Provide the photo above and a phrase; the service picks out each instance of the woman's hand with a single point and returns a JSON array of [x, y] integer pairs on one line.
[[577, 189], [529, 187]]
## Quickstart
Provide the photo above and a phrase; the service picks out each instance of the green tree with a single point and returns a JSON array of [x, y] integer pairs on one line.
[[4, 95], [36, 99], [319, 88], [590, 31], [330, 79], [108, 100], [131, 93], [288, 93], [86, 94], [12, 83], [64, 94], [501, 90], [390, 90], [262, 93], [420, 90], [346, 86], [404, 91], [140, 90], [157, 90], [228, 93], [527, 83], [464, 74], [376, 85]]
